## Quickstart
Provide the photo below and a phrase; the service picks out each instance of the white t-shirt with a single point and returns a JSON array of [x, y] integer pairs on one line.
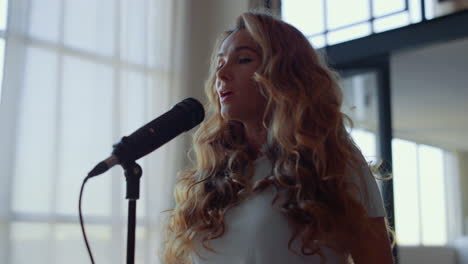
[[257, 233]]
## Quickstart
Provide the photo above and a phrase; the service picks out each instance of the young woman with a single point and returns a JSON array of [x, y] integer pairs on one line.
[[277, 178]]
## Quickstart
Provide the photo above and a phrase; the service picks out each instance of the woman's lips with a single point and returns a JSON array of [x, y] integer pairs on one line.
[[227, 97]]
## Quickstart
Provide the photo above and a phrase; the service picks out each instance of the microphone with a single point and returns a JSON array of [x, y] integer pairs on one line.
[[182, 117]]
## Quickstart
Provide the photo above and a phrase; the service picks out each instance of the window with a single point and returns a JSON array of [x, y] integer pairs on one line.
[[82, 74], [419, 188], [328, 22]]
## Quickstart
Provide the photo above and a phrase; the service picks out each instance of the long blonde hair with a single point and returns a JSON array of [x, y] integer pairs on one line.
[[311, 152]]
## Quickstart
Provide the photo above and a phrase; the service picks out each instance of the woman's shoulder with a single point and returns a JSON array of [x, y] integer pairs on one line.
[[365, 189]]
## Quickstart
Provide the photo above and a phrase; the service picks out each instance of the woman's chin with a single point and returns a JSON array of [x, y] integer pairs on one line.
[[226, 113], [229, 116]]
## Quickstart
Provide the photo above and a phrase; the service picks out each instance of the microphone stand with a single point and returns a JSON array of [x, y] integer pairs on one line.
[[133, 174]]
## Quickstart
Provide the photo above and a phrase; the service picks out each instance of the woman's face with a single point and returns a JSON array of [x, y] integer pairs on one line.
[[239, 95]]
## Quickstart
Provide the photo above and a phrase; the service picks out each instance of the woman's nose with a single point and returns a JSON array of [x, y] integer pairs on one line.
[[224, 73]]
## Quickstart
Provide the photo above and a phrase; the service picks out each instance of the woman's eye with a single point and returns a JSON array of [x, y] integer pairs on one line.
[[245, 60]]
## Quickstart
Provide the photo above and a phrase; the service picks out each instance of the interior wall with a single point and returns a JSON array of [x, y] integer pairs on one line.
[[429, 94]]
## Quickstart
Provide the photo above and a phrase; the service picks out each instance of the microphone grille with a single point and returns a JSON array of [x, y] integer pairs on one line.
[[194, 109]]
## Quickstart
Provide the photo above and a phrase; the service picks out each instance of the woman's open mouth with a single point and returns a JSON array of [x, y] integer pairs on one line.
[[226, 96]]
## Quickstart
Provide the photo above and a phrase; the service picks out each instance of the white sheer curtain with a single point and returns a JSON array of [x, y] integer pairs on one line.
[[80, 74]]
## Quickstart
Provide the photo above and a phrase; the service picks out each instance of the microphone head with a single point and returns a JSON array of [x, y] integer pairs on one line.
[[194, 110], [181, 118]]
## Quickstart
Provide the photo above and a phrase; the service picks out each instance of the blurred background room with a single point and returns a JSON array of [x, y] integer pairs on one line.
[[77, 75]]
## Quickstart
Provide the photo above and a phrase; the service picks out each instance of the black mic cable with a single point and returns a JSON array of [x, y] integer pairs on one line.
[[81, 220]]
